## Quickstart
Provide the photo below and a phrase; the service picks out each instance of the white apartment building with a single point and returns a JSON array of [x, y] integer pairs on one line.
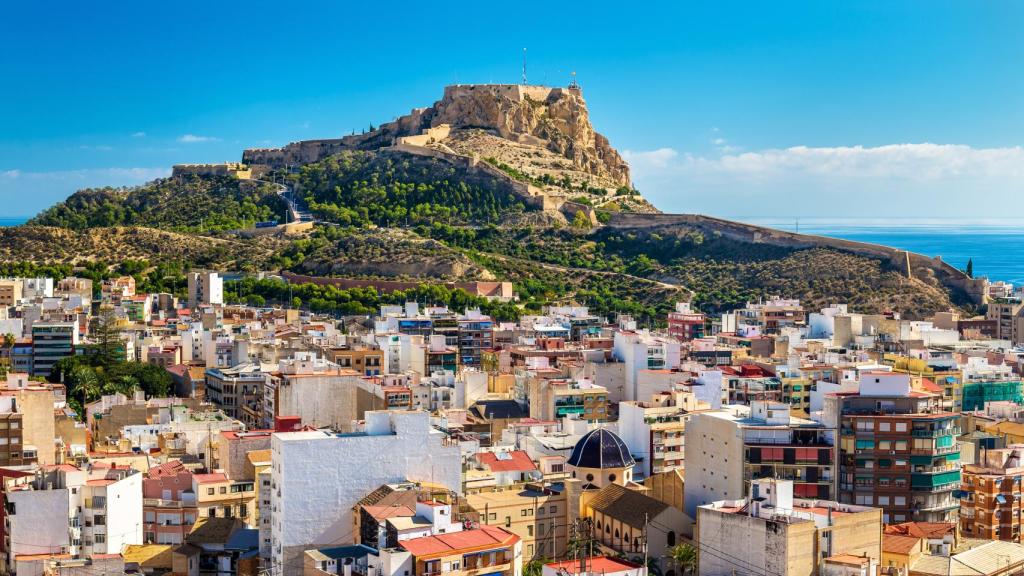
[[68, 510], [642, 351], [320, 392], [205, 288], [318, 476]]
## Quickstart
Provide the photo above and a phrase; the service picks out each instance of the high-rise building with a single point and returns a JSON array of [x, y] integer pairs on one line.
[[728, 449], [205, 288], [52, 341], [898, 447], [990, 495]]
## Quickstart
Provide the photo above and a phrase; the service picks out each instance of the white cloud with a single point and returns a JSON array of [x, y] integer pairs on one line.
[[659, 158], [193, 139], [139, 134], [930, 179], [96, 147]]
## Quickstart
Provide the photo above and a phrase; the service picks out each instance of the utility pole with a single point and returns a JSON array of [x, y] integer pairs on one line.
[[646, 520]]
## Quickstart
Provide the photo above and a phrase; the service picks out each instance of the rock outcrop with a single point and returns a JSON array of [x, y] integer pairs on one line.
[[555, 119]]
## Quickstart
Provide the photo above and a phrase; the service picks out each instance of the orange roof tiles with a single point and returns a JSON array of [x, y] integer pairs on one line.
[[483, 538], [518, 461], [598, 565]]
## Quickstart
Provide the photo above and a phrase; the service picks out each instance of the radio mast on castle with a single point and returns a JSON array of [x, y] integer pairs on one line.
[[524, 66]]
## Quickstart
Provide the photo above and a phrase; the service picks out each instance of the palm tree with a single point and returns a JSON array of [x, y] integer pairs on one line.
[[534, 567], [684, 556]]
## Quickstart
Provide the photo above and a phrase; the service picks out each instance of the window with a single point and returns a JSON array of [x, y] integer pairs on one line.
[[884, 426], [101, 538], [590, 477], [554, 509], [901, 426], [529, 530], [611, 477], [210, 491], [100, 520], [223, 489], [494, 516], [522, 512], [508, 521], [670, 538]]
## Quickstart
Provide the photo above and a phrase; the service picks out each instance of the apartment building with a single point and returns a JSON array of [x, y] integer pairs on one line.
[[237, 391], [553, 399], [686, 324], [52, 341], [218, 496], [169, 503], [655, 431], [728, 449], [487, 550], [320, 393], [640, 351], [361, 358], [317, 477], [205, 289], [10, 291], [537, 513], [990, 495], [68, 510], [1008, 314], [772, 532], [475, 335], [13, 450], [899, 449]]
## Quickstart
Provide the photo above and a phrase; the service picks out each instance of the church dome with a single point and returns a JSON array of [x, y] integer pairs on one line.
[[601, 448]]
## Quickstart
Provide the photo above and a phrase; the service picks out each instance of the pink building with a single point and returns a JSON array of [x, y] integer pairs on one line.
[[169, 503]]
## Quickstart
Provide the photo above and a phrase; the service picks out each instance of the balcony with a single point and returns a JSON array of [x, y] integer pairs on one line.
[[161, 503], [953, 431]]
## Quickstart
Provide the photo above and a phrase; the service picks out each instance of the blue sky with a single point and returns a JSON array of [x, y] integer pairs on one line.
[[738, 109]]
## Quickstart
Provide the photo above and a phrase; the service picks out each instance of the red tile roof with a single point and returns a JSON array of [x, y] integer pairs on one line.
[[207, 478], [483, 538], [930, 386], [922, 529], [518, 461], [598, 565]]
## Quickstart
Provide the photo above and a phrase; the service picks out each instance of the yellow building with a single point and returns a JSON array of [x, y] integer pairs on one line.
[[950, 380], [217, 496], [537, 514], [797, 393]]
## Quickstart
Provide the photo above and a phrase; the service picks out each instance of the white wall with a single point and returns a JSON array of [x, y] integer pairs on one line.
[[320, 477], [40, 522]]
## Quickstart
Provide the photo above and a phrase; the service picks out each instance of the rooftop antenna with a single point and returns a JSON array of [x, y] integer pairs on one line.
[[572, 83], [524, 66]]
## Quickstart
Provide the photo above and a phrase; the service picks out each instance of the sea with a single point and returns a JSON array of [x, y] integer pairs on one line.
[[995, 246]]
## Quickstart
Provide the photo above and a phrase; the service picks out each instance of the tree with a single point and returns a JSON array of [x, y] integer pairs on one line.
[[581, 221], [109, 346], [970, 268], [684, 557], [535, 567]]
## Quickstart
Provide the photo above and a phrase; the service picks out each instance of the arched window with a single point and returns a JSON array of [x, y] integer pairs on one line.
[[636, 543], [671, 538], [607, 528], [573, 473], [616, 533], [598, 524]]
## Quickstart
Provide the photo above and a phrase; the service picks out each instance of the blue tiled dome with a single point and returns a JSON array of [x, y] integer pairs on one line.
[[601, 448]]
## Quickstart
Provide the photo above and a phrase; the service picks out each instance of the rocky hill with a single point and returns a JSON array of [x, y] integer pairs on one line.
[[491, 182]]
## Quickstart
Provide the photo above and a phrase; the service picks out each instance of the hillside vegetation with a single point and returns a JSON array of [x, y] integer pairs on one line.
[[393, 189], [190, 203]]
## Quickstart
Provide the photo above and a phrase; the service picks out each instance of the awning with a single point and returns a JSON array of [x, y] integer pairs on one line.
[[1000, 498]]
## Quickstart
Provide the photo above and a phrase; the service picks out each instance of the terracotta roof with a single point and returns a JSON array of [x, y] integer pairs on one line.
[[930, 386], [384, 512], [207, 478], [598, 565], [896, 544], [515, 461], [628, 506], [922, 529], [483, 538]]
